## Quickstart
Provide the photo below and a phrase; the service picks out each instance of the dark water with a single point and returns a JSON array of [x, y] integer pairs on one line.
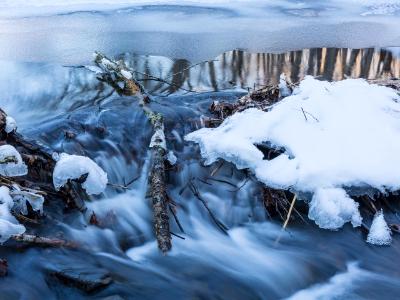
[[249, 263]]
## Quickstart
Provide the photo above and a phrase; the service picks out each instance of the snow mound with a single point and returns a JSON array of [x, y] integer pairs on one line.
[[11, 163], [73, 167], [8, 224], [335, 135], [379, 233]]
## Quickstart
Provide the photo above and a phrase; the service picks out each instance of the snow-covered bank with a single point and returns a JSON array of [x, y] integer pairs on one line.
[[336, 136]]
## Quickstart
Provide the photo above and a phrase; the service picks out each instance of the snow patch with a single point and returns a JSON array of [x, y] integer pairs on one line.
[[73, 167], [158, 139], [379, 233], [126, 74], [336, 135], [11, 163]]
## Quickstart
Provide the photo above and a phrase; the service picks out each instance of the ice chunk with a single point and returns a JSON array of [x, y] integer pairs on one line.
[[331, 208], [171, 158], [11, 124], [283, 86], [8, 224], [11, 163], [73, 167], [7, 229], [379, 233], [21, 197]]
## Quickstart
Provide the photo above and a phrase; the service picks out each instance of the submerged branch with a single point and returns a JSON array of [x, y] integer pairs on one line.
[[43, 241]]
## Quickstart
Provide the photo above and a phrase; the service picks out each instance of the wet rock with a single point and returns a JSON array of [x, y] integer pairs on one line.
[[88, 281]]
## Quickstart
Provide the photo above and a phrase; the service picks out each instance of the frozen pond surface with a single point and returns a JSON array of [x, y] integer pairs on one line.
[[69, 31]]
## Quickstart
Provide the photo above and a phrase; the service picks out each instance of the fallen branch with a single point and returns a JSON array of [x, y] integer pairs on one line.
[[43, 241], [157, 185], [113, 73]]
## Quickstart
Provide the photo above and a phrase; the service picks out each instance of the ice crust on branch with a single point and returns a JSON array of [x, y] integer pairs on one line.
[[335, 135], [70, 167], [21, 197], [11, 163]]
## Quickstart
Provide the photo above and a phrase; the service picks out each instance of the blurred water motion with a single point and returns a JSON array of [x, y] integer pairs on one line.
[[48, 100]]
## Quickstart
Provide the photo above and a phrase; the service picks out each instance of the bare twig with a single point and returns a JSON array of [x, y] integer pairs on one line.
[[190, 67], [196, 193], [176, 219], [213, 172], [290, 211]]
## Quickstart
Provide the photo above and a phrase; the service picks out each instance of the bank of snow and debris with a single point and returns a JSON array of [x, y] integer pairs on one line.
[[336, 137]]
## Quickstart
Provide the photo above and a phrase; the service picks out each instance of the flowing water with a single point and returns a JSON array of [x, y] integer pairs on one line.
[[255, 260]]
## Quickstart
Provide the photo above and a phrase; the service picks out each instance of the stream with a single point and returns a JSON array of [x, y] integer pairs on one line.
[[57, 102], [256, 260]]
